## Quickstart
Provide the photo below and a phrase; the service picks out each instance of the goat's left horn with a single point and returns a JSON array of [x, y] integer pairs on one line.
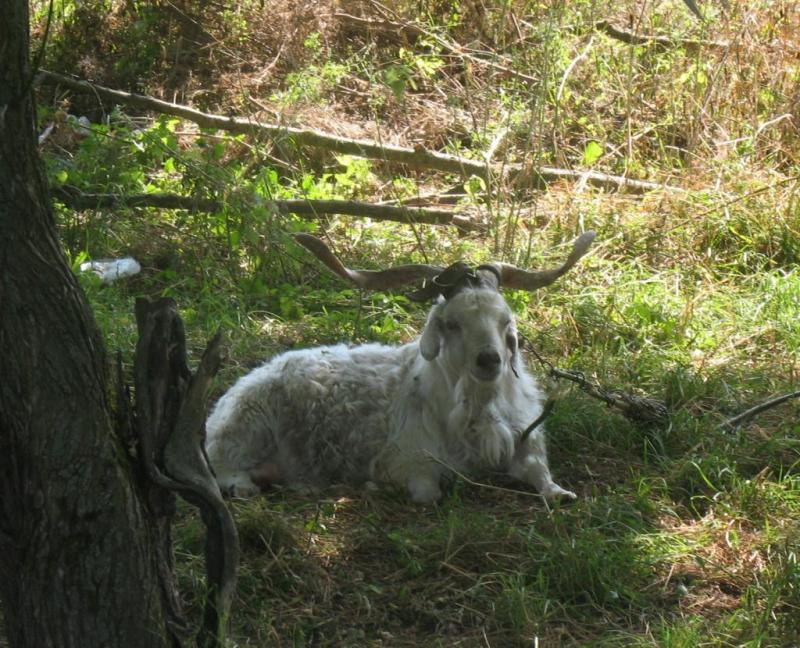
[[367, 279], [513, 277]]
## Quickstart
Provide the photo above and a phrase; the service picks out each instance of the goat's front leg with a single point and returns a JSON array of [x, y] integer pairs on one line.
[[236, 483], [529, 465], [424, 488], [418, 473]]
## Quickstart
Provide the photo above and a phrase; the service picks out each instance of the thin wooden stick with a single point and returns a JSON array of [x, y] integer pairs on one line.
[[472, 482], [745, 416], [659, 41]]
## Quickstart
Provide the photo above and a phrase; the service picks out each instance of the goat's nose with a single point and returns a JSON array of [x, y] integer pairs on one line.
[[489, 359]]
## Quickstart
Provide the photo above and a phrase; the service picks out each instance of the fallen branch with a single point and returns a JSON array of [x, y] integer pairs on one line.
[[75, 199], [541, 177], [414, 157], [745, 416], [417, 158], [641, 409], [659, 41]]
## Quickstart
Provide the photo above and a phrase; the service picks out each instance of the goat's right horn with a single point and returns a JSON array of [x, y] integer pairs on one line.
[[367, 279], [513, 277]]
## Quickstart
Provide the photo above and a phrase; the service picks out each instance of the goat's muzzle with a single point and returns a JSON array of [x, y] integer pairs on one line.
[[487, 365]]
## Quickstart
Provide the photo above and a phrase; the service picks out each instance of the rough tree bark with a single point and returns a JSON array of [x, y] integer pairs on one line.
[[81, 548]]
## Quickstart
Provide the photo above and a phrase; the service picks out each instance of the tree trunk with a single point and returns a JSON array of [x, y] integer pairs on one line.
[[78, 565]]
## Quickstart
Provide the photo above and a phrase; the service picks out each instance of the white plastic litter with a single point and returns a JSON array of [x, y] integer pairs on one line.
[[46, 133], [112, 269], [80, 125]]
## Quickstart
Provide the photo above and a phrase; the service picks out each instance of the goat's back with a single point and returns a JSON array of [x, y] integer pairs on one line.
[[317, 416]]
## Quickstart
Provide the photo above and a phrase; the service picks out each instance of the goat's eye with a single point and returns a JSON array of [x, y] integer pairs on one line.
[[452, 326]]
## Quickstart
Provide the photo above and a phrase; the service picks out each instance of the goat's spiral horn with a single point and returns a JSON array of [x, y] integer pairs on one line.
[[514, 277], [368, 279], [509, 276]]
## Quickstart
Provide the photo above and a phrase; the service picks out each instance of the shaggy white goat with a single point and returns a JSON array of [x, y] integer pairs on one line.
[[459, 397]]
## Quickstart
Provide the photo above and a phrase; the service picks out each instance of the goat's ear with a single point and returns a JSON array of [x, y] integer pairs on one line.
[[512, 341], [431, 340]]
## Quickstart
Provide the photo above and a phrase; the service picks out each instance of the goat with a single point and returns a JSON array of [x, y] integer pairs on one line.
[[459, 397]]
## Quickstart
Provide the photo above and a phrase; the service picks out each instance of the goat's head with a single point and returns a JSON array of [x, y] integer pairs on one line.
[[473, 331], [470, 328]]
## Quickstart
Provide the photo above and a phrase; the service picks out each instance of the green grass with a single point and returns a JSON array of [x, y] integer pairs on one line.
[[681, 536], [684, 535]]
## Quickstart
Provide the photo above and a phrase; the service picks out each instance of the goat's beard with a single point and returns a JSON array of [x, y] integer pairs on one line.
[[475, 428]]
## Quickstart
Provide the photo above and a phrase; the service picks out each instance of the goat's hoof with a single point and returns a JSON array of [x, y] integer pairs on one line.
[[555, 492], [244, 493], [238, 487]]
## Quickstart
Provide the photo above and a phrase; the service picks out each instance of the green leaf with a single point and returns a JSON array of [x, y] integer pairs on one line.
[[592, 153], [397, 77]]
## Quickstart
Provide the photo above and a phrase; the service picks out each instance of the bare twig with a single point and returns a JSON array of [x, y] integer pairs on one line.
[[496, 141], [546, 410], [75, 199], [660, 41], [584, 53], [745, 416], [472, 482], [724, 205]]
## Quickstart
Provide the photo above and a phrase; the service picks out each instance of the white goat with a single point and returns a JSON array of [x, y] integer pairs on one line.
[[459, 397]]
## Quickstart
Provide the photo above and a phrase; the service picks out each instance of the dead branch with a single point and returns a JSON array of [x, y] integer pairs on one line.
[[542, 177], [170, 416], [417, 158], [75, 199], [664, 42], [748, 414], [640, 409]]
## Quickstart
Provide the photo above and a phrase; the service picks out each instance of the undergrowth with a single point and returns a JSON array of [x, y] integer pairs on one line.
[[682, 536]]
